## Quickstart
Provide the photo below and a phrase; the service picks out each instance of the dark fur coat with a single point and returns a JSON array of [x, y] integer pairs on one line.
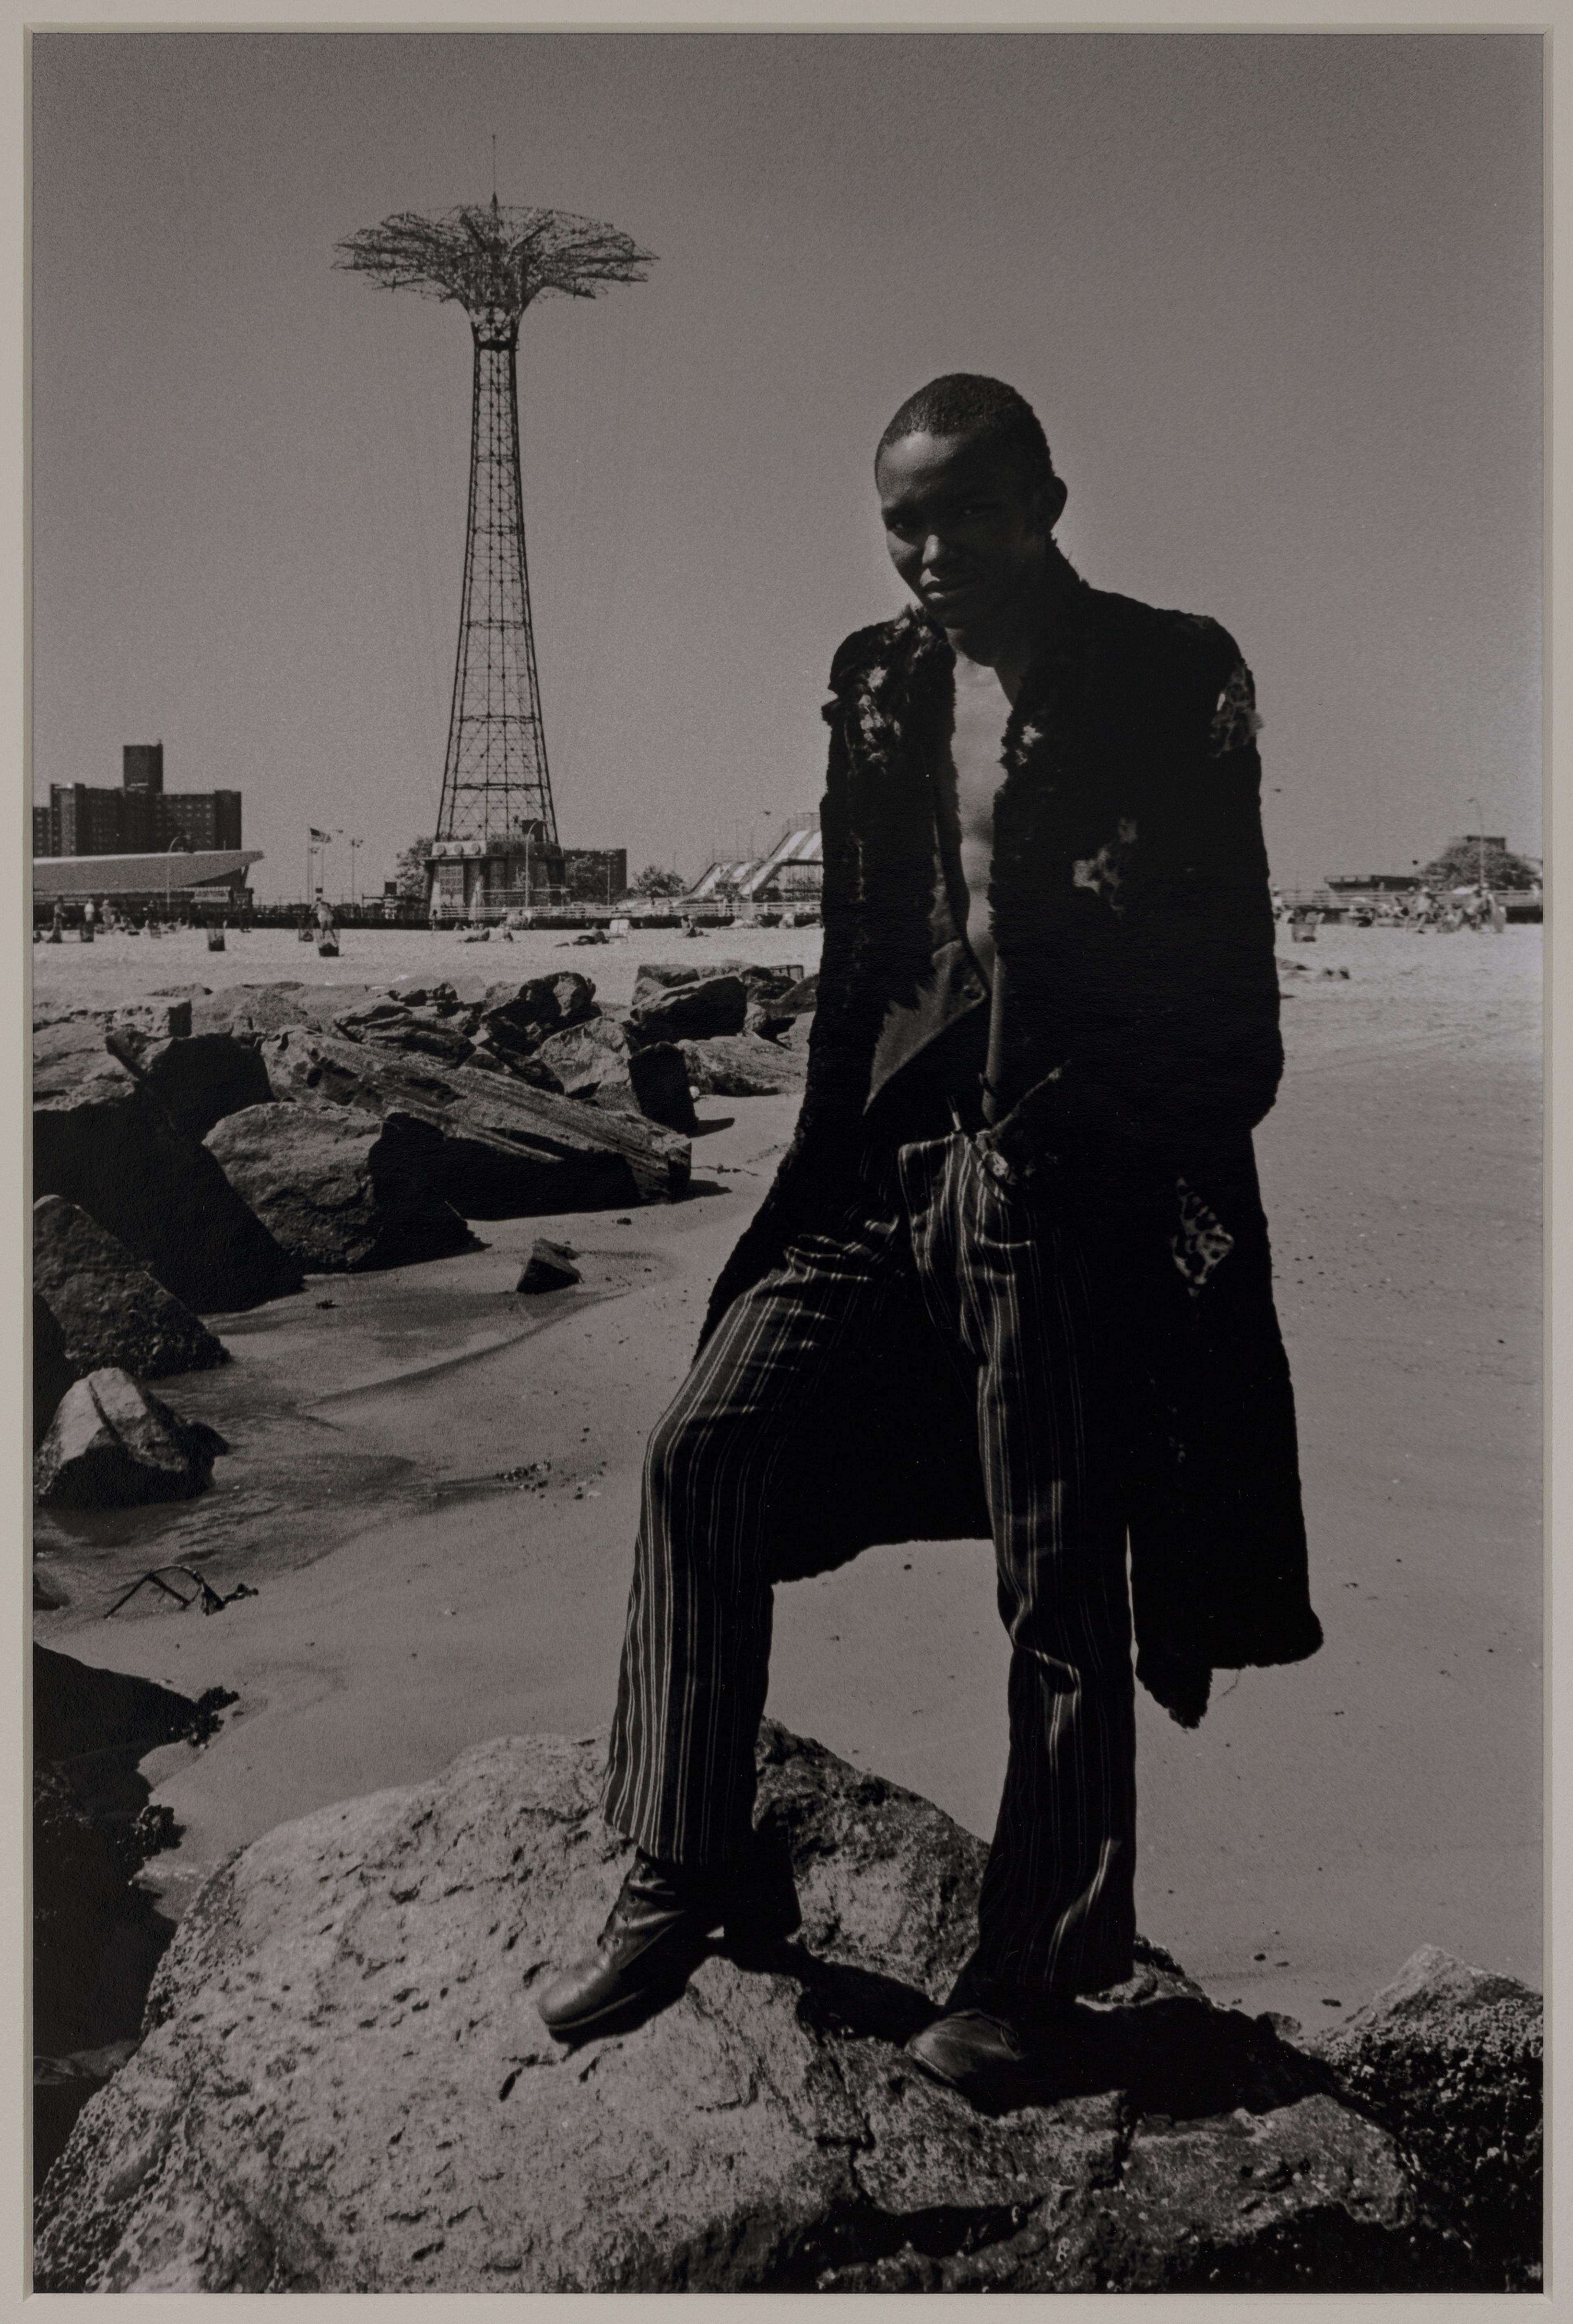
[[1137, 1035]]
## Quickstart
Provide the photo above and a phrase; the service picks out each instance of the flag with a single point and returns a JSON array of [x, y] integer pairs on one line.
[[318, 838]]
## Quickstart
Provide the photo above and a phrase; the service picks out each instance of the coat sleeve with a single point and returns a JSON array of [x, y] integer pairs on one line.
[[1164, 991], [1206, 1055], [817, 1165]]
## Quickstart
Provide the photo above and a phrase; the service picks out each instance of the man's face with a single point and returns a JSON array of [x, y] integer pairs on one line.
[[965, 531]]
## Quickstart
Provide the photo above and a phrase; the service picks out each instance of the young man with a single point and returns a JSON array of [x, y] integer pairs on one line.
[[1013, 1277]]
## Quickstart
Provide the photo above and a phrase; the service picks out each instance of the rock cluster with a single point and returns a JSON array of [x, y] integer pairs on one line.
[[718, 1028], [343, 2087], [510, 1149], [198, 1153]]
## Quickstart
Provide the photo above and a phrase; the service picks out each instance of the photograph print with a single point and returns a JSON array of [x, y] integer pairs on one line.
[[846, 1596]]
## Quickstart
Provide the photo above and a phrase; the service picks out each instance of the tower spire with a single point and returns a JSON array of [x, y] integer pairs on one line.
[[497, 830]]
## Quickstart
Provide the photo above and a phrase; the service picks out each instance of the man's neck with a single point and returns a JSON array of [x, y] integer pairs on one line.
[[1012, 636]]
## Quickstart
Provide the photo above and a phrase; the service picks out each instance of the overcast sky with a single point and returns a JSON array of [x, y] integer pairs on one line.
[[1276, 299]]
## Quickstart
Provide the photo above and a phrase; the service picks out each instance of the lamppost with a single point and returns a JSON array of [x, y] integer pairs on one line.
[[354, 845]]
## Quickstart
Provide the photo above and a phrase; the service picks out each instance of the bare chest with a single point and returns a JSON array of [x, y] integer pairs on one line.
[[983, 710]]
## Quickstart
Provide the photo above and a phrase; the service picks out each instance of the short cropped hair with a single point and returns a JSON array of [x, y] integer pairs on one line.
[[966, 403]]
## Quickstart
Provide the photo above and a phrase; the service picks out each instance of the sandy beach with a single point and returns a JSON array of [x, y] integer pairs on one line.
[[433, 1489]]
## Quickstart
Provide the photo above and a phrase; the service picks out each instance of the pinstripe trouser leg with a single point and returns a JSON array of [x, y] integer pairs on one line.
[[696, 1650], [1008, 1278], [1010, 1288]]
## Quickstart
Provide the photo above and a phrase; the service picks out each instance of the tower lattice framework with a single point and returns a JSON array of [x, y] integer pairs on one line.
[[496, 783], [497, 802]]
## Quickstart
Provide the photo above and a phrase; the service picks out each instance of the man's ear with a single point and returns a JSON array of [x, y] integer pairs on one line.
[[1052, 497]]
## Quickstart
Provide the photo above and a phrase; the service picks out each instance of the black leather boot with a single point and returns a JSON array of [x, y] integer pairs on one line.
[[996, 2046], [658, 1931]]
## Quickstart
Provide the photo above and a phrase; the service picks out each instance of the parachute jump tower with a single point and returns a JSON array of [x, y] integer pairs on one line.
[[496, 842]]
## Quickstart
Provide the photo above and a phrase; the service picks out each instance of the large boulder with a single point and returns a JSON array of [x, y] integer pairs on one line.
[[52, 1368], [108, 1309], [250, 1011], [103, 1140], [1450, 2058], [678, 1003], [113, 1443], [198, 1079], [342, 1189], [594, 1058], [344, 2087], [589, 1055], [429, 1032], [512, 1151], [161, 1017], [517, 1018], [741, 1065]]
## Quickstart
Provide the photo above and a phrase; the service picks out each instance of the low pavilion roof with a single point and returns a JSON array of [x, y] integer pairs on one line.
[[174, 874]]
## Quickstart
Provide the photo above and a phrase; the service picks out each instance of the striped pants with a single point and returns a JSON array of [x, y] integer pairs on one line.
[[1007, 1278]]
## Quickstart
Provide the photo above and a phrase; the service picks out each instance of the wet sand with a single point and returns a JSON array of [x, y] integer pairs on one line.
[[412, 1598]]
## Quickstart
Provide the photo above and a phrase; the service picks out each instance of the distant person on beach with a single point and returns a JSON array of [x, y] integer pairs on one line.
[[1012, 1276], [324, 916]]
